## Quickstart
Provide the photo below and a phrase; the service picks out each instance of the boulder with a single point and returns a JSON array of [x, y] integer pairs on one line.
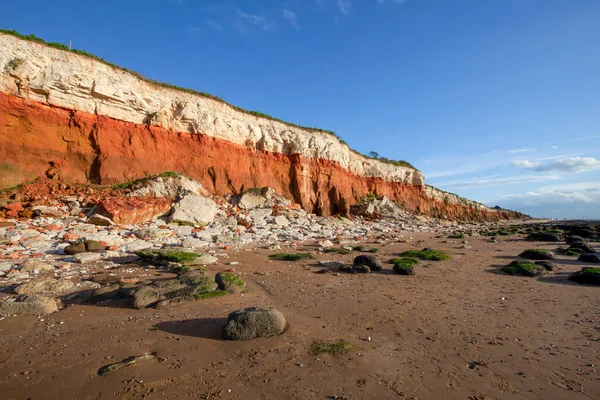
[[583, 246], [36, 267], [546, 237], [29, 305], [84, 258], [75, 248], [230, 282], [369, 261], [193, 209], [590, 258], [133, 209], [188, 286], [590, 276], [94, 245], [169, 186], [251, 323], [48, 285], [404, 269], [259, 197], [548, 266]]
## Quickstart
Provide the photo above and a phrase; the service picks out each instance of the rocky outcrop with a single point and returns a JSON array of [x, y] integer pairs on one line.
[[74, 118]]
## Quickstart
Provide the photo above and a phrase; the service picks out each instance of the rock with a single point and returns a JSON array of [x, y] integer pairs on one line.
[[331, 264], [259, 214], [106, 293], [36, 266], [253, 322], [538, 254], [49, 285], [546, 237], [83, 258], [152, 232], [100, 220], [94, 245], [280, 220], [45, 211], [169, 186], [590, 257], [75, 248], [193, 209], [29, 305], [326, 244], [230, 282], [132, 209], [164, 256], [590, 276], [549, 266], [369, 261], [585, 247], [185, 287], [404, 269], [6, 265], [204, 259]]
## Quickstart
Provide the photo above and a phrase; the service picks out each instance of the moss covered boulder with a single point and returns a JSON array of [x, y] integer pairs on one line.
[[165, 256], [524, 268], [369, 261], [537, 254], [230, 282], [590, 276]]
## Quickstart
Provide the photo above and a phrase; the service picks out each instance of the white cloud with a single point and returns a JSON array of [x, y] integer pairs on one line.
[[214, 24], [193, 29], [344, 6], [567, 164], [563, 200], [292, 18], [256, 20], [495, 180], [522, 150], [176, 1]]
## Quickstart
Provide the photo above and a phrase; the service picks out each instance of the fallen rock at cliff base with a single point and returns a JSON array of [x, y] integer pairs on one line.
[[259, 197], [169, 186], [49, 285], [133, 210], [191, 208], [253, 322]]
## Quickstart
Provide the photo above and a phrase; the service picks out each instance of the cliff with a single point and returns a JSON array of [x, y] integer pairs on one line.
[[73, 117]]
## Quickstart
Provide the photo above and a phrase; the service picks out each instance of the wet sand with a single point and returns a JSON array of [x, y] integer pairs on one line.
[[458, 329]]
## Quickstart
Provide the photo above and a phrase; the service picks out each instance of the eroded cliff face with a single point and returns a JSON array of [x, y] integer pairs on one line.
[[71, 117]]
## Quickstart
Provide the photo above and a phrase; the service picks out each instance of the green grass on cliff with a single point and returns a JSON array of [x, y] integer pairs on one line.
[[61, 46]]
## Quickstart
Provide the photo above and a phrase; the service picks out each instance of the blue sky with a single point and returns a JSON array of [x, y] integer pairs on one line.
[[495, 100]]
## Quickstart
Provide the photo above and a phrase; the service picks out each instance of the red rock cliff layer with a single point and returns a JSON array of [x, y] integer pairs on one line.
[[37, 140]]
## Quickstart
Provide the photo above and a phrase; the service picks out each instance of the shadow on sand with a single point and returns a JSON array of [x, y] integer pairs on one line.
[[207, 328]]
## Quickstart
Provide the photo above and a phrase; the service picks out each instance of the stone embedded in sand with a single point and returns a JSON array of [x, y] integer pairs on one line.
[[583, 246], [546, 237], [537, 254], [549, 266], [369, 261], [49, 285], [193, 209], [133, 209], [230, 282], [186, 287], [29, 305], [590, 258], [251, 323], [590, 276]]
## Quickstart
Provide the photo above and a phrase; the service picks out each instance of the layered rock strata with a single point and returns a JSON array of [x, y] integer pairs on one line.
[[74, 118]]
